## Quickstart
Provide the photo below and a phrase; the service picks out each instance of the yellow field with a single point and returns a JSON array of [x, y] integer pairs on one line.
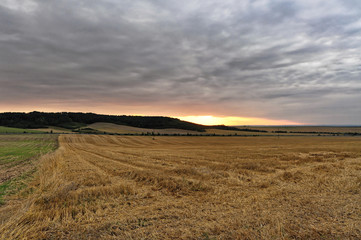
[[115, 187]]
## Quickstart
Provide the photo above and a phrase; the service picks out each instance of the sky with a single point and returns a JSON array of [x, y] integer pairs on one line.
[[238, 62]]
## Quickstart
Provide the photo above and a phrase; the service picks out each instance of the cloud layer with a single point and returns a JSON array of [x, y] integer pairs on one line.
[[296, 60]]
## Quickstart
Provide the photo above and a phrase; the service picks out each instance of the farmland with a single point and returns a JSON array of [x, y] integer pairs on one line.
[[122, 129], [134, 187], [51, 129], [112, 128], [18, 155], [18, 130], [310, 129]]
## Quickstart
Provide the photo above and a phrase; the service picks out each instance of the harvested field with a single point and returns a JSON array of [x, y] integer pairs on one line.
[[115, 187]]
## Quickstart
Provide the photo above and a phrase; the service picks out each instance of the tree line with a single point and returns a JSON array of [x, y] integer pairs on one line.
[[72, 120]]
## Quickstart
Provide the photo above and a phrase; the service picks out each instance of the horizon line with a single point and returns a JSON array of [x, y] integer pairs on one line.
[[180, 118]]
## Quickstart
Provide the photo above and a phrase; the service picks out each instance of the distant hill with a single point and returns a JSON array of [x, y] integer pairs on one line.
[[71, 120], [75, 120]]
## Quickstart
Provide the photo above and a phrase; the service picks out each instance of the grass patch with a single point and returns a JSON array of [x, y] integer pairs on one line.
[[17, 130], [14, 185], [17, 155], [16, 148]]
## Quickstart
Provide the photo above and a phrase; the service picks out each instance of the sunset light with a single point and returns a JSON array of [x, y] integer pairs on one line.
[[233, 121], [209, 119]]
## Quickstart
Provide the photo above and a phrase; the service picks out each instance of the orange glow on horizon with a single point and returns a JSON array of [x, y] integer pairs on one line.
[[233, 121], [204, 120]]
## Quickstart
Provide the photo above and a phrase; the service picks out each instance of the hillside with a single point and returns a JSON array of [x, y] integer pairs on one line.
[[68, 120]]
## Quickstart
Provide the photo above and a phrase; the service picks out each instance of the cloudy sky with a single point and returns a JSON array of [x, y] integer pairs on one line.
[[293, 61]]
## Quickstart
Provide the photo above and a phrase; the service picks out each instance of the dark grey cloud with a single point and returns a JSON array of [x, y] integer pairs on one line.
[[279, 59]]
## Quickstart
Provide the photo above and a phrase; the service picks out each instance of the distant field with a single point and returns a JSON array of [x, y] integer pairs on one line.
[[18, 154], [115, 128], [53, 129], [310, 129], [294, 131], [140, 187], [122, 129], [18, 130], [299, 130], [232, 132]]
